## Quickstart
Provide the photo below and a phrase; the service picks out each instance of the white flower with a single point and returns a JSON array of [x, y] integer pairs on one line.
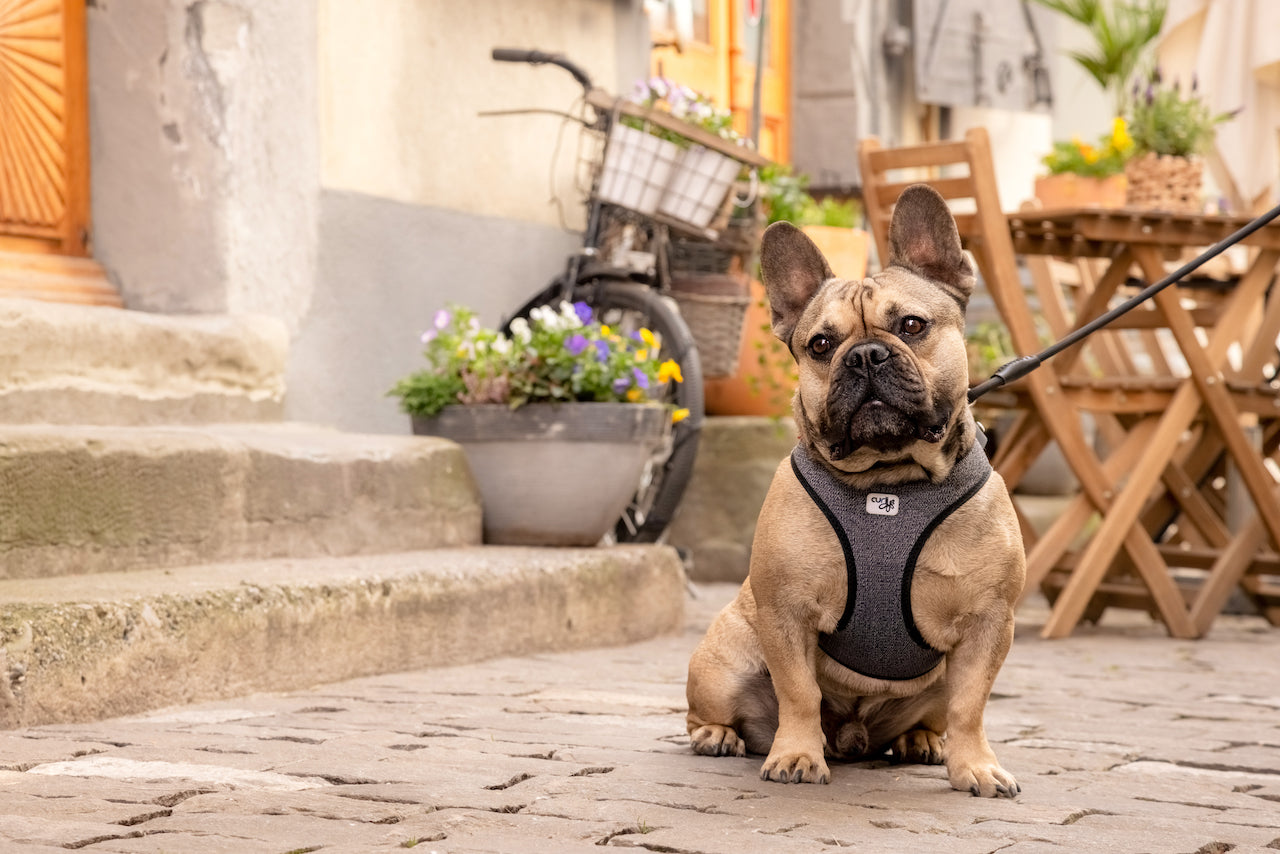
[[520, 330], [502, 346], [569, 315]]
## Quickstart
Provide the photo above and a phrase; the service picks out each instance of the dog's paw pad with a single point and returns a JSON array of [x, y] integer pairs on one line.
[[717, 740]]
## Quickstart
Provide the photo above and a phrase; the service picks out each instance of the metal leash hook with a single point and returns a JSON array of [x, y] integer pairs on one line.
[[1024, 365]]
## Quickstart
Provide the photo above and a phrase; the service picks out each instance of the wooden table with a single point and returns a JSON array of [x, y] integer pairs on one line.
[[1167, 430]]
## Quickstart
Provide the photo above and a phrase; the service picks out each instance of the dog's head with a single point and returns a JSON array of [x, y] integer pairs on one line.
[[882, 363]]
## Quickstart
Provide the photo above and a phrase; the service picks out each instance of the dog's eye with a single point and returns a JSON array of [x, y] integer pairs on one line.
[[819, 346], [912, 326]]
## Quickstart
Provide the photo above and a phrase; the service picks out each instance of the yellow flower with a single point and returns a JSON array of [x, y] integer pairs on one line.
[[648, 337], [1120, 135], [679, 415], [1089, 153], [604, 329], [669, 370], [634, 394], [642, 355]]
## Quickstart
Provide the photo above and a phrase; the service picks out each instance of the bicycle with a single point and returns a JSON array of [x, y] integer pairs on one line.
[[622, 272]]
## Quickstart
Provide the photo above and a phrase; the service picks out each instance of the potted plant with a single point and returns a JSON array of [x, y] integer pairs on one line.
[[1171, 130], [1085, 175], [1081, 174], [556, 419]]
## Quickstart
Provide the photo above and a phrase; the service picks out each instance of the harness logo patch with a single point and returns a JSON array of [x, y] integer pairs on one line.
[[882, 504]]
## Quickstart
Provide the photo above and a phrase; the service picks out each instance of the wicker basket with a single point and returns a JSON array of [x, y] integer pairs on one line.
[[1164, 183], [728, 253], [714, 306]]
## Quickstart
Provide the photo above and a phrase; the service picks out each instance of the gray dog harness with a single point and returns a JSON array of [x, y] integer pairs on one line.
[[882, 534]]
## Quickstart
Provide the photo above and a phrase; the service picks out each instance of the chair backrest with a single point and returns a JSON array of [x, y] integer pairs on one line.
[[959, 170]]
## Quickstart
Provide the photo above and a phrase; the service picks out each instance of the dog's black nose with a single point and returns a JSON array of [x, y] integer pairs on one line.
[[867, 355]]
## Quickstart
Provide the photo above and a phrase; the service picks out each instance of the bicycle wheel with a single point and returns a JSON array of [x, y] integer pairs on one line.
[[627, 306]]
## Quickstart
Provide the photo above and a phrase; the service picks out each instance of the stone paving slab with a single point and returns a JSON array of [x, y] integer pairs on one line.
[[1123, 740]]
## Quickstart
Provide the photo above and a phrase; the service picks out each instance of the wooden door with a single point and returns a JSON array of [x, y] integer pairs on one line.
[[44, 154], [716, 55]]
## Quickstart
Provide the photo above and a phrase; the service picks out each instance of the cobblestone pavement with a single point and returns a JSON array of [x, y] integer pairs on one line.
[[1123, 741]]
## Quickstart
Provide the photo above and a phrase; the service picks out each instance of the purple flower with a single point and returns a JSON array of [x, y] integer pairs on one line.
[[602, 350], [583, 311], [642, 379], [620, 385], [428, 336], [575, 345], [443, 319]]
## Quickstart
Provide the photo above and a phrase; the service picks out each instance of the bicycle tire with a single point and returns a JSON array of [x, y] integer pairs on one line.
[[663, 483]]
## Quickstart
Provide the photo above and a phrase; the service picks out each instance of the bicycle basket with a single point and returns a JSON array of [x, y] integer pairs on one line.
[[715, 308], [698, 186], [636, 169]]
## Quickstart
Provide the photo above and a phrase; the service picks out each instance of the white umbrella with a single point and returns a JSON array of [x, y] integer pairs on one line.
[[1233, 48]]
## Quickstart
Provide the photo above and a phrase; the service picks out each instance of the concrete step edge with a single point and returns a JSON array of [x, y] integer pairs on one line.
[[91, 647], [76, 499], [133, 367]]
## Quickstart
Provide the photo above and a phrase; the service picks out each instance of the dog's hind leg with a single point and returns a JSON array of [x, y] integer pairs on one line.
[[732, 708]]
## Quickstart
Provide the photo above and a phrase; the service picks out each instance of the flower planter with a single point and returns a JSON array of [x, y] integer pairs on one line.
[[698, 186], [1068, 190], [552, 474], [637, 167], [1164, 182]]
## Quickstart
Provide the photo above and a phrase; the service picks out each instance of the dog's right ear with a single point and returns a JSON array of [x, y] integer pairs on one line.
[[793, 270]]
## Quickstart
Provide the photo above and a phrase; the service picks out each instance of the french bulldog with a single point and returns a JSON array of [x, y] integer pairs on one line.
[[887, 561]]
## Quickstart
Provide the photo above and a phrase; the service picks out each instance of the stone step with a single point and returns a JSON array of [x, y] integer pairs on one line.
[[89, 647], [87, 499], [76, 364]]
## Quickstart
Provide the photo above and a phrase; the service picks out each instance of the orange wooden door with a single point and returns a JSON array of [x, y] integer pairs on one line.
[[44, 154], [716, 55]]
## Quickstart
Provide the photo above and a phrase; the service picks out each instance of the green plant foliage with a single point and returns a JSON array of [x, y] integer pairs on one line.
[[1092, 161], [1166, 120], [786, 198], [553, 356], [1121, 32]]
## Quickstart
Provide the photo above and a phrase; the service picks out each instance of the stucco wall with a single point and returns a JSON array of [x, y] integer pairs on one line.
[[322, 162], [402, 87], [205, 153]]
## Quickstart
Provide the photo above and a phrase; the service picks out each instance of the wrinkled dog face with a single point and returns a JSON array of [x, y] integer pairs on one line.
[[882, 363]]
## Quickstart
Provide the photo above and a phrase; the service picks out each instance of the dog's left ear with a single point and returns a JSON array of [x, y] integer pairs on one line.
[[792, 269], [923, 238]]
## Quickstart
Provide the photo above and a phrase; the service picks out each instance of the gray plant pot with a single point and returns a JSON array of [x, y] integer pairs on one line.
[[552, 474]]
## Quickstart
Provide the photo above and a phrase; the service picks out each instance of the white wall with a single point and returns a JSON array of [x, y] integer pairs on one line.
[[402, 83]]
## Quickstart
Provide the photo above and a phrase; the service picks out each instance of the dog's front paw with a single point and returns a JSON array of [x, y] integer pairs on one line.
[[785, 766], [983, 779], [717, 740], [923, 746]]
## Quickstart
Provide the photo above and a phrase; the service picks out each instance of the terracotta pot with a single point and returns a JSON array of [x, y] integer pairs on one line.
[[552, 474], [766, 379], [1076, 191]]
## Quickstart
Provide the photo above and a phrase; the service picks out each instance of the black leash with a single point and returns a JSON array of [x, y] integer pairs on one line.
[[1024, 365]]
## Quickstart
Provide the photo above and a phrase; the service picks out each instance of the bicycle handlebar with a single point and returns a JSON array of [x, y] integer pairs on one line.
[[538, 57]]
